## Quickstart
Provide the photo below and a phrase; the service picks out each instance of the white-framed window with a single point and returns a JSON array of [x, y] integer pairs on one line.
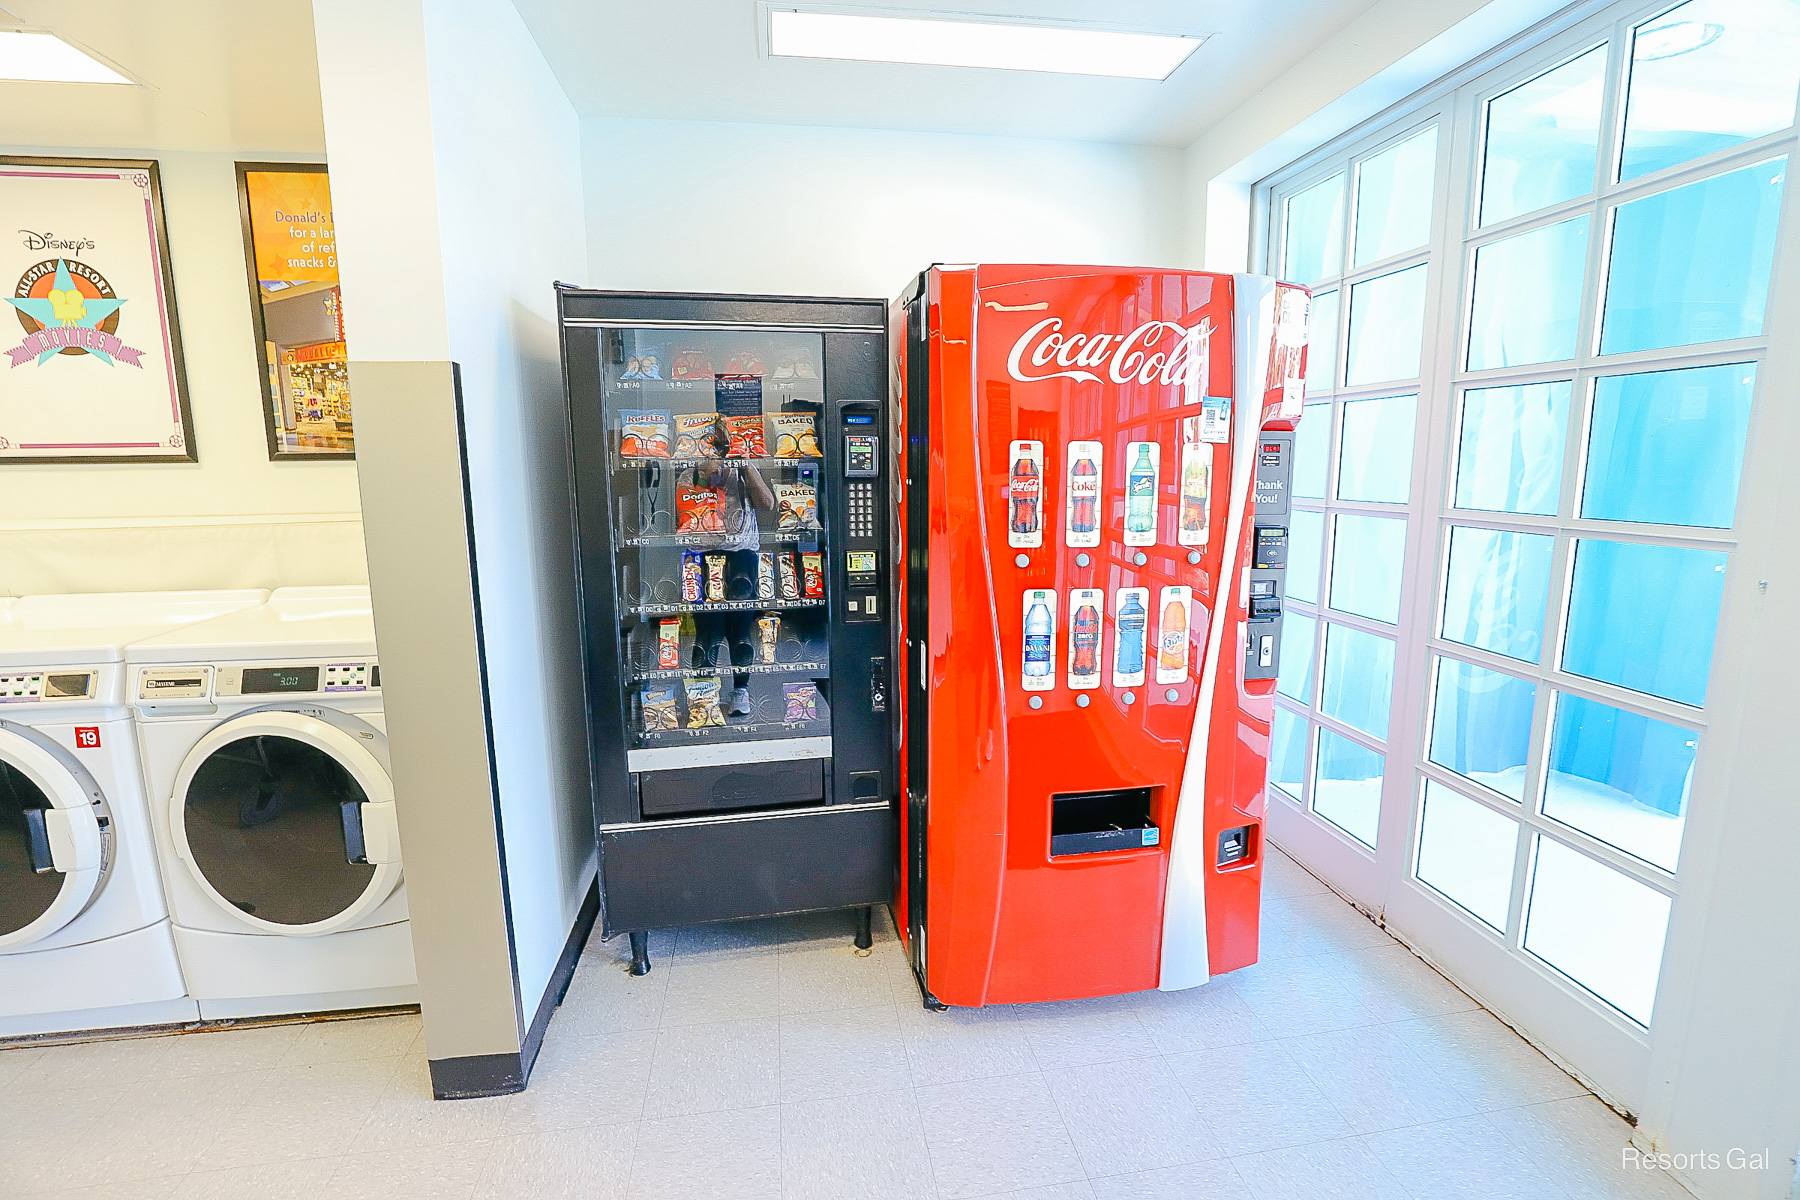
[[1539, 323]]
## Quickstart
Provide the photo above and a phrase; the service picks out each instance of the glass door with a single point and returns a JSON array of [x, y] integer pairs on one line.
[[717, 464]]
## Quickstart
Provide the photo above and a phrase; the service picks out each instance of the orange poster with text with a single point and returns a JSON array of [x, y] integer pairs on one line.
[[290, 226]]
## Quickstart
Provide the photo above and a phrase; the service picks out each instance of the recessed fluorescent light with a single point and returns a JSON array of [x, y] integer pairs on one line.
[[46, 58], [930, 41]]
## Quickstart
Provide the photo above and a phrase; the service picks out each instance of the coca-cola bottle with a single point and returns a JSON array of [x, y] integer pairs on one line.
[[1026, 492], [1084, 641], [1084, 496], [1193, 500]]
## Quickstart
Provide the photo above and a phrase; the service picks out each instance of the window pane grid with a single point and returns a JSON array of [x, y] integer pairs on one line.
[[1621, 495]]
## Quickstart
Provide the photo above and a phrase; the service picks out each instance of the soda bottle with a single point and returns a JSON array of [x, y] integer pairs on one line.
[[1084, 641], [1193, 500], [1084, 496], [1026, 491], [1140, 493], [1037, 640], [1132, 619], [1171, 653]]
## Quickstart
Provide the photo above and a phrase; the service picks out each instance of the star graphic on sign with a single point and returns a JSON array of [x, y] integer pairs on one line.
[[66, 306]]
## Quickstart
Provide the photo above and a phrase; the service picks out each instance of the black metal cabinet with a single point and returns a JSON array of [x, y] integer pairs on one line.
[[731, 506]]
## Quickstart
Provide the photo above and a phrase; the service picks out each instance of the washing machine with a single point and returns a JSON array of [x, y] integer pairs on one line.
[[84, 928], [265, 757]]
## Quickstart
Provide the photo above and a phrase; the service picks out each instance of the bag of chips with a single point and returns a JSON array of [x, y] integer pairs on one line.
[[744, 436], [696, 435], [703, 703], [699, 509], [795, 436], [644, 432], [659, 707], [802, 701], [691, 364], [796, 506]]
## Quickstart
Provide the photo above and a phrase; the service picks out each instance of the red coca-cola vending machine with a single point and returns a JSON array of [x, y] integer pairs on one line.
[[1092, 489]]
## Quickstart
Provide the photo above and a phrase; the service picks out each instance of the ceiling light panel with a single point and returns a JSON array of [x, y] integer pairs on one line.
[[974, 42], [46, 58]]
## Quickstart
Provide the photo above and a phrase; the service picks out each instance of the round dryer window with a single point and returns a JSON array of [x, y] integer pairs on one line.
[[278, 821], [55, 838]]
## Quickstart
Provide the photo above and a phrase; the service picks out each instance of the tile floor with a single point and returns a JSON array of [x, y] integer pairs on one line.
[[765, 1060]]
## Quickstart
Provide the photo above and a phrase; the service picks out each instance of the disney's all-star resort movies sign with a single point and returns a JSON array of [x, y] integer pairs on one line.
[[67, 307]]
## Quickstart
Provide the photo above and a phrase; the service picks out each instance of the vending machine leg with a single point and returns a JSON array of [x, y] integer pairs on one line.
[[640, 953], [865, 933]]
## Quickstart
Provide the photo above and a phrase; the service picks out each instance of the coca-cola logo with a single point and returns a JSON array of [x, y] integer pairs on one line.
[[1154, 352]]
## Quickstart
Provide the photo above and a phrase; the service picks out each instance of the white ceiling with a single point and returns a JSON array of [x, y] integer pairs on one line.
[[241, 75], [699, 60], [229, 75]]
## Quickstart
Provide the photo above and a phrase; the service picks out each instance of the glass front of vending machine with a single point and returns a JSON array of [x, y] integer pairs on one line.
[[731, 527]]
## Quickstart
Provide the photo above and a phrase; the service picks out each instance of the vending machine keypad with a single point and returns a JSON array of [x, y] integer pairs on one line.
[[862, 509]]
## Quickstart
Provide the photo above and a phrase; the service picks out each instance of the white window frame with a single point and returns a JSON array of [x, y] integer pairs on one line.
[[1603, 1045]]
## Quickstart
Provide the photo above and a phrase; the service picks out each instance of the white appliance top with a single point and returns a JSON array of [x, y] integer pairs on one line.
[[294, 623], [95, 627]]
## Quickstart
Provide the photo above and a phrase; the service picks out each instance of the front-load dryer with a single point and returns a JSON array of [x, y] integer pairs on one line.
[[84, 929], [265, 754]]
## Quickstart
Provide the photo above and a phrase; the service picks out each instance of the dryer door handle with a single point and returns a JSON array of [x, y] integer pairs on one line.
[[37, 836], [74, 837], [371, 832], [355, 850]]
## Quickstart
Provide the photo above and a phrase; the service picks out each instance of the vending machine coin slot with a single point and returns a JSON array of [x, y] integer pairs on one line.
[[1235, 845]]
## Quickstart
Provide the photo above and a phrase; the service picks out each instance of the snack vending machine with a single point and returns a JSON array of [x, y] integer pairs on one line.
[[731, 510], [1092, 514]]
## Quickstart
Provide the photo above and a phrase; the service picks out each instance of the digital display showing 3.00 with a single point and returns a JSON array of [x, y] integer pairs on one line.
[[280, 679]]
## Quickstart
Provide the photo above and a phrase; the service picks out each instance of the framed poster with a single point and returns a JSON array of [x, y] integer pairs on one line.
[[290, 251], [94, 373]]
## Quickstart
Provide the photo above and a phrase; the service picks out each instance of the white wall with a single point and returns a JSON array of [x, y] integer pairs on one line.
[[708, 206], [508, 150], [234, 519]]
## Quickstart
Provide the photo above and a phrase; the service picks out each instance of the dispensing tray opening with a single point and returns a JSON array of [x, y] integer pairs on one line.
[[1099, 822]]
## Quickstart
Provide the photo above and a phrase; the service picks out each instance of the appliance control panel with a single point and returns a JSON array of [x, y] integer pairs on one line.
[[304, 678], [274, 678], [36, 687]]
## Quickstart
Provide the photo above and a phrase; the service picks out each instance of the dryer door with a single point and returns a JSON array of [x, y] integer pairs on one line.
[[287, 820], [55, 838]]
